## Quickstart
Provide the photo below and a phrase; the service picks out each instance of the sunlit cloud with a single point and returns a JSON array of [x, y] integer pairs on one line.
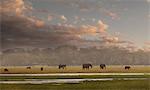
[[102, 26], [39, 23], [63, 18], [17, 7], [111, 39]]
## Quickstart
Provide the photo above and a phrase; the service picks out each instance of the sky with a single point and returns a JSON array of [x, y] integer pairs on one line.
[[127, 17], [80, 21]]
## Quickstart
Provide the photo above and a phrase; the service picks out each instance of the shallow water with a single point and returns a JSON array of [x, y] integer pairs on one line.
[[57, 81]]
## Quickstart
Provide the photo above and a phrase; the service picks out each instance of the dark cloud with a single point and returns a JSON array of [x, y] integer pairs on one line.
[[19, 30]]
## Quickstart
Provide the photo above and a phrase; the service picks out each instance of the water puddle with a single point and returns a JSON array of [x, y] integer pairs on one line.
[[59, 81]]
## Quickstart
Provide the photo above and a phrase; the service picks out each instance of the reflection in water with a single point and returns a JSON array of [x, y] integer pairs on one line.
[[54, 81]]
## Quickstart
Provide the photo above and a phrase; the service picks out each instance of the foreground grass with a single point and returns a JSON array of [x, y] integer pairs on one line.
[[98, 85]]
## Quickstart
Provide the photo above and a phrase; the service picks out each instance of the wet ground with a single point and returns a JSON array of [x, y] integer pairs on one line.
[[46, 81]]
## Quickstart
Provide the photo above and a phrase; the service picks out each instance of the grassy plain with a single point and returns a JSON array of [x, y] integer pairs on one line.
[[74, 69]]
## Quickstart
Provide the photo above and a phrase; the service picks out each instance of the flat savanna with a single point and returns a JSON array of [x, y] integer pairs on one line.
[[74, 69]]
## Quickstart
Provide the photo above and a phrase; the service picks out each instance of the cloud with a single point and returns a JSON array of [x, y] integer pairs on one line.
[[147, 43], [90, 5], [102, 27], [93, 19], [113, 15], [63, 18], [39, 23], [49, 18], [19, 30], [22, 30], [111, 39], [146, 46], [17, 7]]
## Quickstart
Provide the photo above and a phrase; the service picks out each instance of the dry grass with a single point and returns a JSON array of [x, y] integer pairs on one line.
[[75, 69]]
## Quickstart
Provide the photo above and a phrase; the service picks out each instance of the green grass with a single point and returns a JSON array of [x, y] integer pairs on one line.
[[94, 85], [98, 85]]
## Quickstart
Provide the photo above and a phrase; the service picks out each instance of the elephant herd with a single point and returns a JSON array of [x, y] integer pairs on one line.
[[88, 66], [84, 66]]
